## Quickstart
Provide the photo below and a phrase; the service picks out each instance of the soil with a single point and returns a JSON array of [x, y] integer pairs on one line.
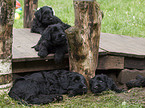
[[134, 95]]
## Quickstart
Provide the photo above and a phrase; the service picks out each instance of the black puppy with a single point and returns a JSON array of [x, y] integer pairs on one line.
[[101, 83], [47, 86], [44, 17], [53, 40], [138, 82]]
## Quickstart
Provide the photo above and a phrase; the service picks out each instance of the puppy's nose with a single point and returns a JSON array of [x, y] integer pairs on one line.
[[50, 18], [95, 87], [62, 35], [84, 88]]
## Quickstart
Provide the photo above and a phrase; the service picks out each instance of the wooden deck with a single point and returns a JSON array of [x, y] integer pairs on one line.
[[115, 52]]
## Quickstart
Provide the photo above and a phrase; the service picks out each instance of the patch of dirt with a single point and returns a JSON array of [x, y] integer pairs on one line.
[[134, 95]]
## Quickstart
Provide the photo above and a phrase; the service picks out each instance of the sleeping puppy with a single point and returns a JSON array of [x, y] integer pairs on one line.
[[53, 40], [138, 82], [47, 86], [101, 83], [44, 17]]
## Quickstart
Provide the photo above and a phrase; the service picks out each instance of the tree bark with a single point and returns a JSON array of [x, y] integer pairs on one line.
[[30, 6], [83, 39], [7, 8]]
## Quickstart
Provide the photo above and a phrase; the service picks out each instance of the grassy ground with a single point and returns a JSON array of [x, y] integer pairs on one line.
[[124, 17], [135, 98]]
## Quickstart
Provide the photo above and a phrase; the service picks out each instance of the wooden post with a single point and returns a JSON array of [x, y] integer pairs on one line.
[[30, 6], [84, 38], [7, 8]]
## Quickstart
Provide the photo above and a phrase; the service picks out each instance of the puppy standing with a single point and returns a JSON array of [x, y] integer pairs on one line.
[[44, 17]]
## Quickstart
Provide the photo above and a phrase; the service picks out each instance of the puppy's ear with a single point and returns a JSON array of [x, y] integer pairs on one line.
[[38, 14], [105, 78], [111, 84], [53, 13]]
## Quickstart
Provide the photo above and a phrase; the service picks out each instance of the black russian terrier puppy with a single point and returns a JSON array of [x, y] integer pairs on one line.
[[101, 83], [47, 86], [53, 40], [138, 82], [44, 17]]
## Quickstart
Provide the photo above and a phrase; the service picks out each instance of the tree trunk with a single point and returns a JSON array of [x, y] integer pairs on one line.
[[7, 8], [84, 38], [30, 6]]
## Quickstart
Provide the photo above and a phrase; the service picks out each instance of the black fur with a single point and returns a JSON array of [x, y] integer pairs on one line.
[[47, 86], [44, 17], [101, 83], [138, 82], [53, 40]]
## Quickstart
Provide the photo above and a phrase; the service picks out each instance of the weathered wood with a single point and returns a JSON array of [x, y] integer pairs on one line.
[[110, 44], [38, 65], [6, 24], [134, 63], [24, 40], [30, 6], [111, 62], [123, 45], [84, 38]]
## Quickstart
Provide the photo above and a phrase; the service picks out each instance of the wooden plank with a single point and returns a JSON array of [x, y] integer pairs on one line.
[[22, 42], [109, 44], [105, 62], [124, 45], [111, 62], [38, 65], [134, 63]]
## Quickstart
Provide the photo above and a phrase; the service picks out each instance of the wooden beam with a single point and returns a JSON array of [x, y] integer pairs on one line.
[[30, 6], [134, 63], [31, 65], [38, 65], [111, 62]]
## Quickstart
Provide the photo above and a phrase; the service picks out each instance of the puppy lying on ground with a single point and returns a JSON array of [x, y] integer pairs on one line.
[[53, 40], [44, 17], [101, 83], [47, 86], [138, 82]]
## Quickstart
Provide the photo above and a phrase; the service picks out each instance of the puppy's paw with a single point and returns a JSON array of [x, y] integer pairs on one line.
[[58, 58], [42, 54], [36, 47], [59, 98], [70, 93]]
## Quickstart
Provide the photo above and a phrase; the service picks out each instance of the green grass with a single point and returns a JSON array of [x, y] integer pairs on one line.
[[104, 100], [124, 17]]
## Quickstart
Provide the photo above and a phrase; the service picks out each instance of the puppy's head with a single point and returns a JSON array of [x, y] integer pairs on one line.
[[77, 85], [44, 15], [55, 34], [98, 83]]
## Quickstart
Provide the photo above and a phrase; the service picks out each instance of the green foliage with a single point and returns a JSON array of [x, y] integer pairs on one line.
[[124, 17]]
